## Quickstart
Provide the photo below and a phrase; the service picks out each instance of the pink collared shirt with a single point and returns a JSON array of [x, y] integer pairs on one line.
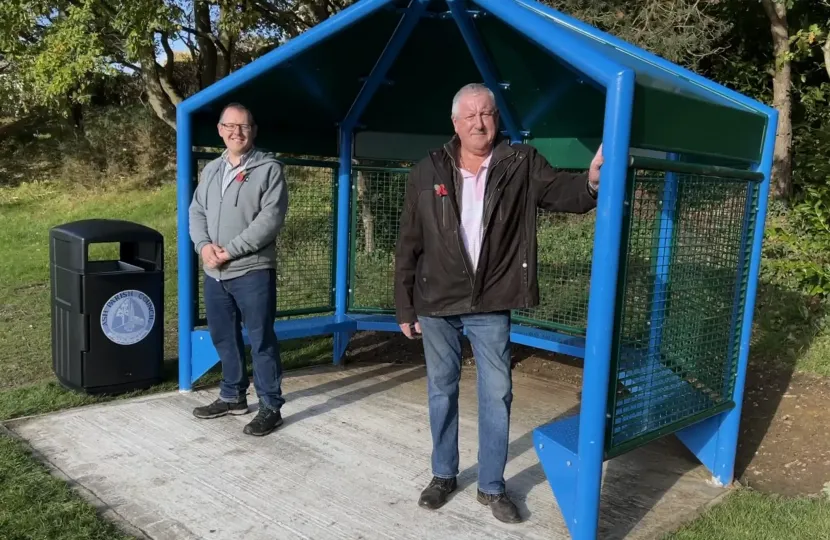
[[472, 209]]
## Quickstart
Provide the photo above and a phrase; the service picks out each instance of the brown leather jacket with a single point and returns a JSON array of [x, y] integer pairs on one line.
[[432, 270]]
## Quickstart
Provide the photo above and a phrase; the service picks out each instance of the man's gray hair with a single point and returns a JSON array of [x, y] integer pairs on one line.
[[474, 88], [239, 107]]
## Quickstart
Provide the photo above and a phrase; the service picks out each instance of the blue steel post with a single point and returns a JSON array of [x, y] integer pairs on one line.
[[485, 67], [186, 254], [341, 297], [664, 245], [602, 303], [661, 283]]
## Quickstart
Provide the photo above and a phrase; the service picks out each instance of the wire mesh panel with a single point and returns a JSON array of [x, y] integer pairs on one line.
[[377, 203], [683, 275], [565, 245], [305, 245]]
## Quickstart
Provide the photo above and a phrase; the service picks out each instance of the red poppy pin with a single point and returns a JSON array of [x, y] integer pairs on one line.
[[241, 176], [440, 190]]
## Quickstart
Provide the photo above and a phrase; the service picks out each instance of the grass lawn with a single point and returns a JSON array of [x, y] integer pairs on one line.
[[749, 515], [35, 505]]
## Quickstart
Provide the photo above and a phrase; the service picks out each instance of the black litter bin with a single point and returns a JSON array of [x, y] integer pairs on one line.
[[107, 315]]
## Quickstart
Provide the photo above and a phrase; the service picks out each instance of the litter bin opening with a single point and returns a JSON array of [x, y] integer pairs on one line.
[[104, 267], [103, 246]]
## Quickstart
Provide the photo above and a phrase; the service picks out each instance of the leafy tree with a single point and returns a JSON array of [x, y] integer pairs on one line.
[[800, 32], [681, 31], [53, 51]]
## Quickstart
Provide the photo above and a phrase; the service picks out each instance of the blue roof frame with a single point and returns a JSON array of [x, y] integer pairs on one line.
[[597, 55]]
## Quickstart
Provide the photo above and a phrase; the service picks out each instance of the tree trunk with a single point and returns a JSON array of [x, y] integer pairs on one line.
[[225, 65], [159, 99], [366, 214], [320, 10], [782, 98], [77, 113], [207, 50], [826, 50]]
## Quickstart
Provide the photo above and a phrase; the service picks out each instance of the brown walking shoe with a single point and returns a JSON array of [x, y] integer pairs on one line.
[[220, 408], [502, 507], [435, 494]]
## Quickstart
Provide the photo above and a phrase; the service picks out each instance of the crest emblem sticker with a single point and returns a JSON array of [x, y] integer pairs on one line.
[[128, 317]]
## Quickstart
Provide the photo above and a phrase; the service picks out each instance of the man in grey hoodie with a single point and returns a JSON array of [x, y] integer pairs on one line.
[[236, 214]]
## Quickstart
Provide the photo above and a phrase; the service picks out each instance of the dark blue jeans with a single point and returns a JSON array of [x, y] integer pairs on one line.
[[489, 335], [250, 300]]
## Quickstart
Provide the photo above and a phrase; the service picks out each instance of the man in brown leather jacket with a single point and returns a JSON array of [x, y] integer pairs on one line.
[[466, 257]]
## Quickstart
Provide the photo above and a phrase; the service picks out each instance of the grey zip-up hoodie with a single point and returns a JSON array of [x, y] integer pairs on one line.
[[246, 219]]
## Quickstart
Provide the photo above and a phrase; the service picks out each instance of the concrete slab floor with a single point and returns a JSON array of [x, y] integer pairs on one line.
[[349, 463]]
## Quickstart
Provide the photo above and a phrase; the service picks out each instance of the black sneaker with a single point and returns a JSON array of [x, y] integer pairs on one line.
[[221, 408], [266, 421], [435, 494], [502, 507]]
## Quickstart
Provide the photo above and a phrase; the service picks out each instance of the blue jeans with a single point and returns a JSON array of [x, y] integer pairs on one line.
[[489, 335], [250, 299]]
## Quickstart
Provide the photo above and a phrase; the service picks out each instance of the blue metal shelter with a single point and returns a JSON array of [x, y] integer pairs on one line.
[[375, 82]]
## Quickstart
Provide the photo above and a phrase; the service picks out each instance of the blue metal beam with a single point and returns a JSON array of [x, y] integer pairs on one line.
[[556, 41], [485, 67], [283, 53], [619, 106], [387, 58], [446, 15], [341, 269], [547, 341], [662, 266], [545, 102], [186, 250], [205, 355]]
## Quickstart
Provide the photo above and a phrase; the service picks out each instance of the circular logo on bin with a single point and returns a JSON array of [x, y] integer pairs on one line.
[[128, 317]]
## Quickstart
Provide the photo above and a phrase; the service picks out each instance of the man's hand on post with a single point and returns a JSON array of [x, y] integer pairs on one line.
[[593, 171], [406, 328]]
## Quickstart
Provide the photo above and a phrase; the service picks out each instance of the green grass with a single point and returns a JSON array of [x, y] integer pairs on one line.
[[29, 212], [749, 515], [816, 358], [36, 505]]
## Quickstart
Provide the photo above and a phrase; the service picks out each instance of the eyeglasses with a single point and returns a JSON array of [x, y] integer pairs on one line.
[[245, 128]]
